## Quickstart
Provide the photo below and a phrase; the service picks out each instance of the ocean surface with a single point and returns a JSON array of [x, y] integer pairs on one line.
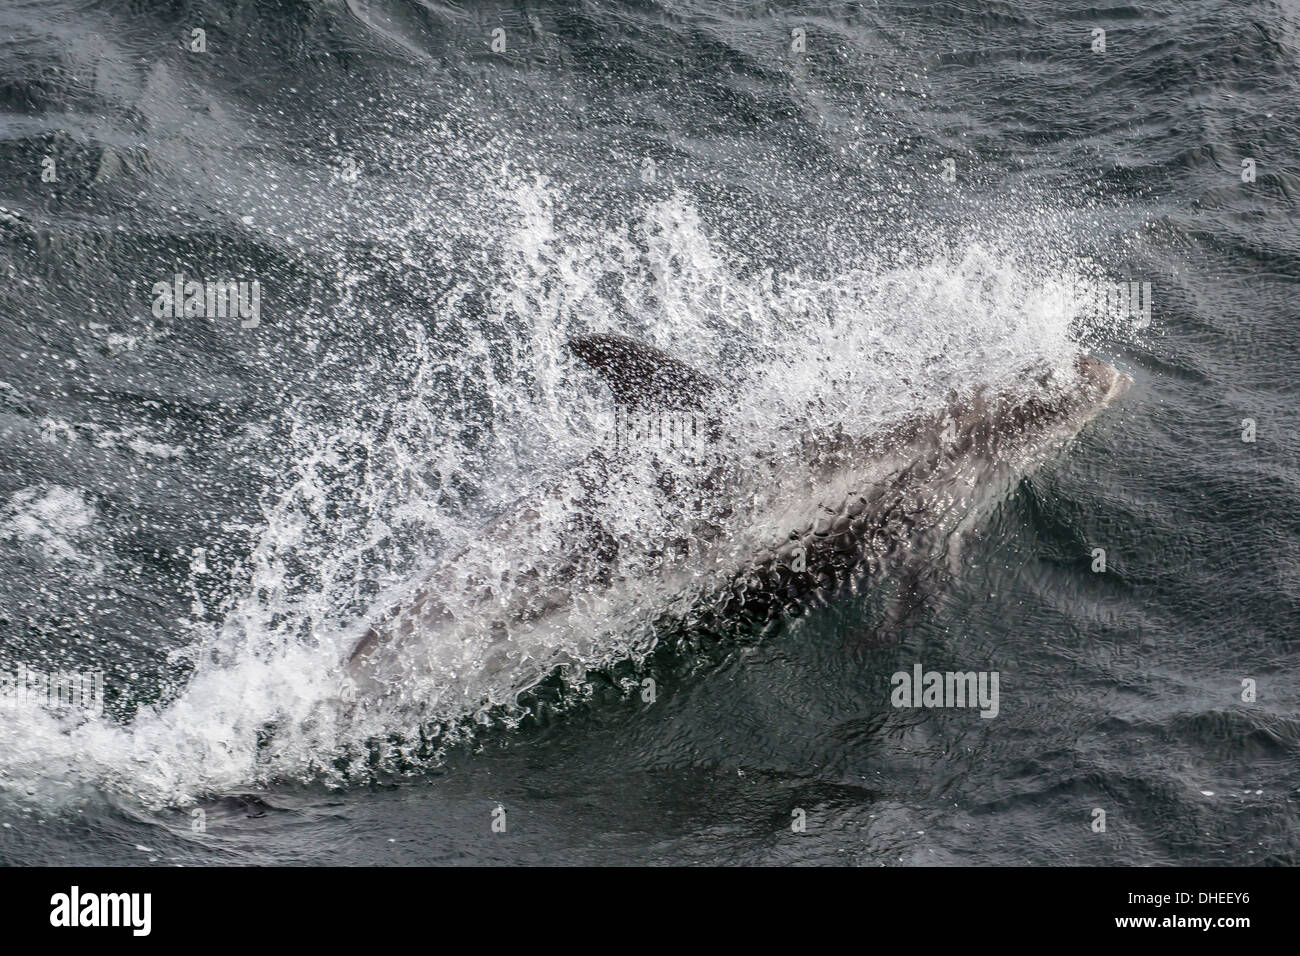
[[855, 208]]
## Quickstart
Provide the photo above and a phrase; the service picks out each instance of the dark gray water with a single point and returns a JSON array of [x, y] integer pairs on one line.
[[858, 206]]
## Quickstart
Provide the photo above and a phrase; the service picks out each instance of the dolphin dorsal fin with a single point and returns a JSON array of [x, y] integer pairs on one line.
[[642, 376]]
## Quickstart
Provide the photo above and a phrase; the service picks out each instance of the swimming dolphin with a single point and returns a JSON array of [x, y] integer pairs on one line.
[[751, 536]]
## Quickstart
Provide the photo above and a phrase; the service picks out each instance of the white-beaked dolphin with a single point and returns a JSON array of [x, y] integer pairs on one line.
[[831, 509]]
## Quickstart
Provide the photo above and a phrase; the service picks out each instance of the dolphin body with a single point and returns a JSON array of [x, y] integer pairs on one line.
[[745, 537]]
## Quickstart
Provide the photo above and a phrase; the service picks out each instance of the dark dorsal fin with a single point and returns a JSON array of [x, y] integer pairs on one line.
[[643, 376]]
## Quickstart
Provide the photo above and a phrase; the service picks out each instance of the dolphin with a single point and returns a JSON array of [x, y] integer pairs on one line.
[[757, 536]]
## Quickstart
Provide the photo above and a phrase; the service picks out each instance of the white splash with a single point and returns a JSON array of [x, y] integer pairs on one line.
[[51, 518]]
